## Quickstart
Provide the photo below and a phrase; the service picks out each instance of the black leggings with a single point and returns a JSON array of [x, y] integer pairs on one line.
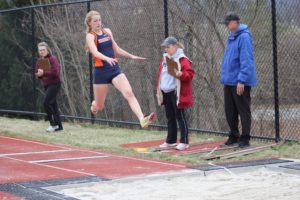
[[50, 104], [175, 115]]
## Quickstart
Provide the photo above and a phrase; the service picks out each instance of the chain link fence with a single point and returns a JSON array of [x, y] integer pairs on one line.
[[197, 24], [139, 26], [288, 26]]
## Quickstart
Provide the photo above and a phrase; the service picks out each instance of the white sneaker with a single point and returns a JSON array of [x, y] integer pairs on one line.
[[166, 145], [182, 146], [52, 128]]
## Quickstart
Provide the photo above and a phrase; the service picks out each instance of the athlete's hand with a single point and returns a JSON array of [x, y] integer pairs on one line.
[[111, 61], [133, 57], [240, 89]]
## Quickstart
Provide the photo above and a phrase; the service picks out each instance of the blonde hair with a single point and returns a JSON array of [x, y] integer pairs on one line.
[[87, 20], [180, 45], [44, 44]]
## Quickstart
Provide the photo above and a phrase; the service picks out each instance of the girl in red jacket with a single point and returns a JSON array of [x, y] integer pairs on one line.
[[175, 92]]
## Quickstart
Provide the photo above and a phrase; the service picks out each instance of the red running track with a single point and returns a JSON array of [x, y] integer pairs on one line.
[[24, 160]]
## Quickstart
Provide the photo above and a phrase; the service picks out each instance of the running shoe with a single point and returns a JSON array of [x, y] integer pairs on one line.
[[147, 120]]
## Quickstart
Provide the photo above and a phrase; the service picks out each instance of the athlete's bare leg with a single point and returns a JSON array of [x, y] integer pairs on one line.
[[122, 84], [100, 92]]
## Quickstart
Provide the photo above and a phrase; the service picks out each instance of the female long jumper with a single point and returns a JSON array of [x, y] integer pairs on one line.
[[101, 44]]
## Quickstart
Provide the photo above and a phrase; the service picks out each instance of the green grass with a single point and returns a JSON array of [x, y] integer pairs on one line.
[[108, 139]]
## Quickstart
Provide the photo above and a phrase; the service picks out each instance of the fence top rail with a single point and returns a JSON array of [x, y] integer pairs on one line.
[[46, 5]]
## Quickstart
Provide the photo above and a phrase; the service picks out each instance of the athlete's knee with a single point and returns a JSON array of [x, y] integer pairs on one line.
[[97, 106], [128, 94]]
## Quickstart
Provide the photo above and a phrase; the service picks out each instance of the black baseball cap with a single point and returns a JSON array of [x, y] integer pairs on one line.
[[231, 16]]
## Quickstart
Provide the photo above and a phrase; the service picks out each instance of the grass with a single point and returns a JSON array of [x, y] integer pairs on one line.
[[105, 138]]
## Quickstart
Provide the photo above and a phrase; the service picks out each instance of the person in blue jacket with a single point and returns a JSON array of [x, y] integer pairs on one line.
[[238, 75]]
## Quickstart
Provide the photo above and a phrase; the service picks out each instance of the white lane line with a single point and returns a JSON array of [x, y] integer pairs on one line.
[[137, 159], [67, 159], [151, 161], [34, 142], [49, 166], [35, 152]]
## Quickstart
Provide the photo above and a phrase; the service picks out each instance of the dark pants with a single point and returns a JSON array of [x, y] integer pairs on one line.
[[175, 115], [236, 106], [50, 104]]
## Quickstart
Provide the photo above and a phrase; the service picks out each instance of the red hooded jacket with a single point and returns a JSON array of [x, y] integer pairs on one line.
[[185, 95]]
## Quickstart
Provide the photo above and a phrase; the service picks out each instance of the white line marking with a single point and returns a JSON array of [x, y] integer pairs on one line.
[[226, 169], [132, 158], [67, 159], [63, 169], [34, 142], [151, 161], [35, 152]]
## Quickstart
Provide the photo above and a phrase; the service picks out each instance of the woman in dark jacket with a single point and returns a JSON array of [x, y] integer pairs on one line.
[[50, 77]]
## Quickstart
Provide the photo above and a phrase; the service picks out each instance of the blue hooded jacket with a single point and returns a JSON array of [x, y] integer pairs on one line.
[[238, 64]]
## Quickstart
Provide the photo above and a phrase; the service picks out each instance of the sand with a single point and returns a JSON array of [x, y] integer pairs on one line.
[[255, 185]]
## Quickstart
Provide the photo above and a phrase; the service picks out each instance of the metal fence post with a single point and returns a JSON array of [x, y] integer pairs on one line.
[[275, 71], [91, 72], [33, 44], [166, 18]]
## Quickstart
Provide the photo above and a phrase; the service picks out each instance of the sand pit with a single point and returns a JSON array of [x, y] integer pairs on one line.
[[257, 184]]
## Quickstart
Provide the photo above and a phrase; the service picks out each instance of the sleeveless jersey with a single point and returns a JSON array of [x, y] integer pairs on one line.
[[104, 45]]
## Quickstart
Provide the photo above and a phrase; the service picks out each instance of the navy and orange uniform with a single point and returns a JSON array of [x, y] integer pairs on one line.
[[104, 73]]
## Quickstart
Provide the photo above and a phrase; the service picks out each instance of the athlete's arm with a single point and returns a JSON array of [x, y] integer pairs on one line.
[[90, 38], [121, 51]]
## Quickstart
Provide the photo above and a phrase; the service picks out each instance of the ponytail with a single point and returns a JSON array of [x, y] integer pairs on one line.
[[87, 20], [180, 45]]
